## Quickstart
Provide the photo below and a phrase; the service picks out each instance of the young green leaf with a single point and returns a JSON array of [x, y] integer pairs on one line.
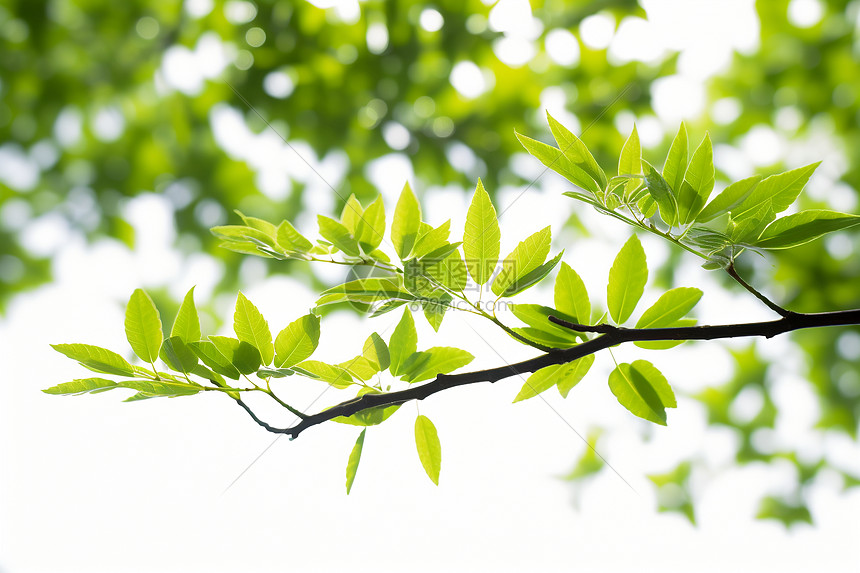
[[430, 363], [549, 339], [662, 194], [803, 227], [354, 459], [338, 235], [81, 386], [537, 316], [676, 162], [435, 308], [359, 367], [161, 387], [366, 291], [376, 351], [371, 227], [209, 354], [251, 327], [627, 279], [178, 355], [289, 239], [643, 390], [630, 161], [482, 237], [778, 191], [670, 307], [450, 272], [432, 239], [297, 341], [187, 324], [566, 376], [261, 225], [244, 356], [526, 256], [429, 448], [406, 223], [143, 326], [575, 150], [97, 358], [750, 227], [370, 416], [532, 277], [554, 159], [403, 343], [351, 215], [571, 297], [337, 376], [728, 198], [698, 182], [242, 234]]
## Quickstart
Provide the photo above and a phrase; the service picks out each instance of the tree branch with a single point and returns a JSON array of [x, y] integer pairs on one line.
[[611, 336]]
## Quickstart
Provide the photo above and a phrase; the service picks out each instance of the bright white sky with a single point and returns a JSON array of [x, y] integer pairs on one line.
[[89, 484]]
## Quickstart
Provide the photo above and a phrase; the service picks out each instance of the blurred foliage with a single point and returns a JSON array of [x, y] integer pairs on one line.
[[88, 120]]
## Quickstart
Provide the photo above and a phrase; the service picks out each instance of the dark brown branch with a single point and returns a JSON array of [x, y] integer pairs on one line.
[[611, 336], [769, 303]]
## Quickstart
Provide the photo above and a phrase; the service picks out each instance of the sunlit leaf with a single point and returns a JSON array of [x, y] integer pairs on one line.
[[376, 351], [662, 194], [178, 355], [554, 159], [289, 239], [571, 296], [370, 229], [627, 279], [403, 343], [143, 326], [244, 356], [575, 150], [337, 376], [297, 341], [187, 324], [429, 447], [482, 237], [565, 376], [429, 363], [354, 459], [406, 223], [526, 256], [432, 239], [777, 191], [630, 161], [96, 358], [532, 277], [698, 182], [209, 354], [643, 390], [803, 227], [671, 306], [728, 198], [351, 215], [81, 386], [676, 161], [251, 327], [338, 235], [161, 387]]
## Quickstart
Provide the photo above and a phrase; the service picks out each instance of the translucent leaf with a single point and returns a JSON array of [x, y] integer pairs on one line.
[[748, 229], [263, 226], [676, 161], [96, 358], [432, 239], [430, 363], [630, 161], [706, 239], [627, 279], [571, 297], [482, 237], [178, 355], [554, 159], [698, 182], [338, 235], [366, 291], [251, 327], [242, 355], [406, 223], [566, 376], [671, 306], [450, 272], [161, 387], [187, 324], [728, 198], [376, 351], [351, 215], [403, 343], [370, 229], [643, 390], [360, 368], [243, 233], [778, 191], [803, 227], [526, 256], [354, 458], [209, 354], [297, 341], [551, 339], [576, 151], [81, 386], [370, 416], [429, 448], [335, 375], [434, 309], [662, 194], [143, 326], [537, 316], [289, 239], [532, 277]]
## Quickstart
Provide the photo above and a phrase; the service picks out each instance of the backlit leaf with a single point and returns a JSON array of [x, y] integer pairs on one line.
[[662, 194], [429, 448], [728, 198], [575, 150], [338, 235], [143, 326], [178, 355], [406, 223], [627, 279], [671, 306], [370, 229], [403, 342], [337, 376], [376, 351], [297, 341], [209, 354], [698, 182], [643, 390], [526, 256], [96, 358], [251, 327], [565, 376], [289, 239], [81, 386], [187, 324], [354, 459], [803, 227], [554, 159], [242, 355], [571, 297], [777, 191], [429, 363], [482, 237], [676, 161]]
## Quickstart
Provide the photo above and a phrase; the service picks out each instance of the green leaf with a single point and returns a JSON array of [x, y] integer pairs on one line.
[[571, 297], [403, 343], [244, 356], [369, 416], [366, 291], [244, 234], [554, 159], [434, 309], [161, 387], [450, 272], [643, 390], [566, 376], [676, 162], [707, 239], [354, 458], [337, 376], [370, 229], [406, 223], [698, 182], [289, 239], [297, 341], [778, 191], [482, 237], [670, 307], [526, 256], [259, 224], [359, 367], [251, 327], [143, 326], [666, 344], [728, 198], [532, 277], [187, 324], [432, 239], [576, 151], [178, 355], [550, 339], [376, 351], [351, 215], [803, 227], [429, 448], [647, 206], [787, 512], [627, 279], [750, 227], [96, 358], [81, 386], [630, 161], [537, 316], [209, 354], [338, 235], [430, 363], [662, 194]]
